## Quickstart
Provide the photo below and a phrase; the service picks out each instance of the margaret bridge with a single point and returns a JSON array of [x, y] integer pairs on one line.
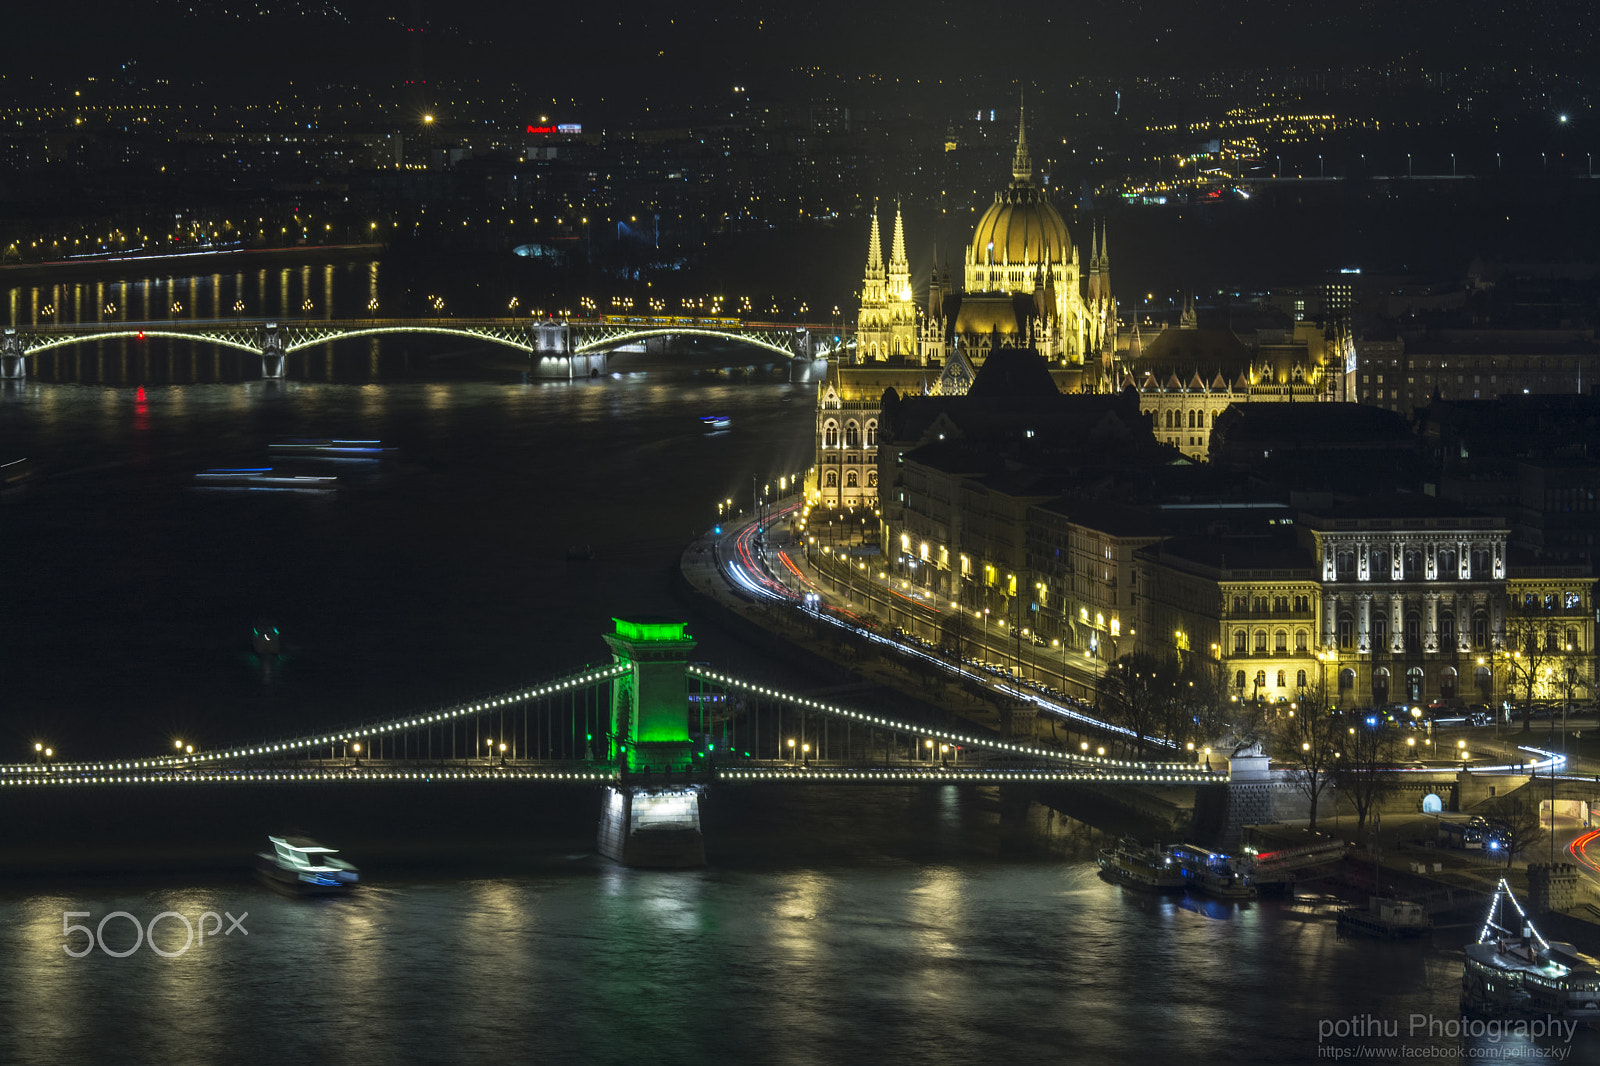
[[555, 348]]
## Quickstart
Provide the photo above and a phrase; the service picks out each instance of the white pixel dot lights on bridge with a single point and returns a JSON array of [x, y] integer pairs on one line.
[[212, 768]]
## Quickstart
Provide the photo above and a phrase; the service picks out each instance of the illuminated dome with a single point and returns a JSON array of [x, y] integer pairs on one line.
[[1020, 227]]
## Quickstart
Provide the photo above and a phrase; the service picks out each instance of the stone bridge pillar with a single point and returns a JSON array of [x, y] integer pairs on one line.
[[273, 359], [1250, 790], [551, 356], [13, 363], [652, 818]]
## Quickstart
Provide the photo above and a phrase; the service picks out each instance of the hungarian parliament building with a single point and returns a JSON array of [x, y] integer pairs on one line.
[[1110, 483]]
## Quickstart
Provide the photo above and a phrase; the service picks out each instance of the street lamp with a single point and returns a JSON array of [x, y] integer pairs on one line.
[[791, 749]]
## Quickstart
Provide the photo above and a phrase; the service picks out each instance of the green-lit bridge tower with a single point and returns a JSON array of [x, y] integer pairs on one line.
[[650, 819]]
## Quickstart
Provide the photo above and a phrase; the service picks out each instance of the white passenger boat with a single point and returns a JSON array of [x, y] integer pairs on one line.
[[1137, 866], [302, 867], [1513, 971]]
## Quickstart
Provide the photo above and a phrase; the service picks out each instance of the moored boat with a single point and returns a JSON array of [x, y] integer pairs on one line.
[[1210, 873], [1137, 866], [1513, 971], [1388, 919], [302, 867]]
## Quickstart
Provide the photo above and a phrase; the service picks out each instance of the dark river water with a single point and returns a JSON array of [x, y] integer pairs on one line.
[[936, 925]]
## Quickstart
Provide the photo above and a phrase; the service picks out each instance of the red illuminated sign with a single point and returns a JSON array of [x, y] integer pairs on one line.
[[565, 127]]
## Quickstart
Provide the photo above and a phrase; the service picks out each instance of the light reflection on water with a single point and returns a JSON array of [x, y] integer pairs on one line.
[[953, 962], [928, 925]]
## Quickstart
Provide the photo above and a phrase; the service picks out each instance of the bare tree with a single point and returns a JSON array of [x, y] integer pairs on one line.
[[1363, 768], [1530, 648], [1520, 824], [1308, 740], [1136, 691]]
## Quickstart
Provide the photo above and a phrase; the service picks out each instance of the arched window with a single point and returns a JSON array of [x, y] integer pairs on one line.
[[1280, 641], [1484, 679], [1379, 565], [1240, 638], [1447, 563], [1169, 420], [1550, 643], [1413, 632], [852, 435], [872, 479], [1447, 683], [850, 481], [1299, 640], [1380, 631], [1347, 631], [1414, 683], [833, 479], [1299, 679], [1344, 563], [1572, 640], [1261, 679], [1238, 679], [1199, 420], [872, 434], [1380, 685], [1191, 419], [1447, 632], [1347, 679], [830, 435], [1480, 630], [1283, 678], [1413, 564], [1261, 642], [1480, 564]]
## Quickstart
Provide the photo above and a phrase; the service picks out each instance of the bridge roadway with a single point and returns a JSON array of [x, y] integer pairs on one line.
[[274, 338], [869, 749]]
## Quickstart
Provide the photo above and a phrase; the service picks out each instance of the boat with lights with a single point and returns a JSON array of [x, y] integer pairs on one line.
[[325, 448], [263, 477], [1512, 970], [300, 866], [1211, 873], [716, 421], [1132, 864]]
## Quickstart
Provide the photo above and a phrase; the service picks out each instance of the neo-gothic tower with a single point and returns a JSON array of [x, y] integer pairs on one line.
[[902, 311], [873, 336]]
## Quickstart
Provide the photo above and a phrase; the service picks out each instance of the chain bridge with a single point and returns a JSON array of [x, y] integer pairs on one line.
[[652, 728]]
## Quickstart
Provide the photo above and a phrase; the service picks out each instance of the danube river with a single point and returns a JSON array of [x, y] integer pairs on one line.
[[933, 926]]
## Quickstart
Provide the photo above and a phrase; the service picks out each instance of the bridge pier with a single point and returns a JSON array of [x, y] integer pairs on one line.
[[13, 363], [652, 826], [273, 360], [552, 356], [648, 820]]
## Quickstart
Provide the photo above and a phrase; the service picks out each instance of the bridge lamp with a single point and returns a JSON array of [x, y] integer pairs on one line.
[[1411, 742], [188, 749], [49, 752], [178, 744], [791, 747], [1100, 752], [1085, 746]]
